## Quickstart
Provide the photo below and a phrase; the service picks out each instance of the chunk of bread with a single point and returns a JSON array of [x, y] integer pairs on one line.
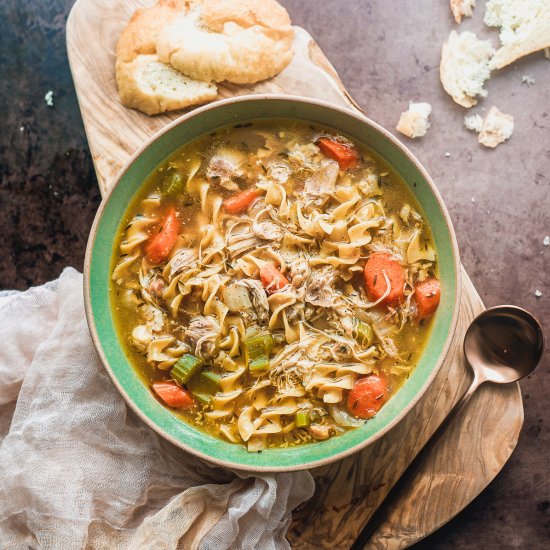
[[465, 67], [241, 41], [153, 87], [524, 28], [144, 82], [414, 122], [462, 8], [495, 128]]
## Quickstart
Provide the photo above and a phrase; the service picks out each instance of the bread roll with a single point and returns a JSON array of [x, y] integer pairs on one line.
[[146, 83], [241, 41]]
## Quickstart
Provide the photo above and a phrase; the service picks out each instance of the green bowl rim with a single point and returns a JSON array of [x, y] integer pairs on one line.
[[457, 288]]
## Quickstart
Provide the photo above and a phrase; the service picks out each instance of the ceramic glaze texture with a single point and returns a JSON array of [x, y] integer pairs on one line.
[[97, 271]]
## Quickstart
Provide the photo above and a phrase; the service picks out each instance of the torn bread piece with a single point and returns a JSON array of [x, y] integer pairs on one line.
[[465, 67], [144, 82], [524, 28], [495, 128], [241, 41], [473, 123], [414, 122], [462, 8], [153, 87]]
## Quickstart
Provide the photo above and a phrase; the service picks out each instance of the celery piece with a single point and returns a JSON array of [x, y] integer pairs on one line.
[[259, 364], [364, 334], [204, 398], [205, 382], [187, 366], [258, 347], [211, 377], [302, 419]]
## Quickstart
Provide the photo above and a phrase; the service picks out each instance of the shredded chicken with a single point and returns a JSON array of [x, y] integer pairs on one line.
[[202, 335], [258, 298], [225, 167], [183, 259], [321, 184], [320, 289], [268, 231]]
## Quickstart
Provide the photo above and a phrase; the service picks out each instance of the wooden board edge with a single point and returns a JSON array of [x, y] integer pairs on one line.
[[512, 448], [69, 29]]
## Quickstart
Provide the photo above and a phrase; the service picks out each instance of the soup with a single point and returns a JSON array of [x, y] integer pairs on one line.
[[273, 283]]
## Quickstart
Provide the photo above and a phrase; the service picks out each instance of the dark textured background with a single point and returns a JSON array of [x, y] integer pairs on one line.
[[387, 53]]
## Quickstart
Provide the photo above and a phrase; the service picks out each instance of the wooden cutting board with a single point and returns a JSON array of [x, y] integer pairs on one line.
[[473, 450]]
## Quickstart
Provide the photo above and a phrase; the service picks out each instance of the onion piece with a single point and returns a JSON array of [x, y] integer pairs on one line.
[[343, 418], [236, 298]]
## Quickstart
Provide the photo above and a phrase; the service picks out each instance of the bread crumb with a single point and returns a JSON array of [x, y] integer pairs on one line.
[[473, 123], [462, 8], [547, 53], [473, 199], [538, 293], [414, 122], [528, 79], [464, 67], [447, 154], [497, 127], [546, 240], [48, 98]]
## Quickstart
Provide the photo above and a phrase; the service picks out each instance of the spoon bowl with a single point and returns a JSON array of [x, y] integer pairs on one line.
[[503, 344]]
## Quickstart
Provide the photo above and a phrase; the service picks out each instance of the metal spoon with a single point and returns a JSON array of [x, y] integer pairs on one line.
[[502, 345]]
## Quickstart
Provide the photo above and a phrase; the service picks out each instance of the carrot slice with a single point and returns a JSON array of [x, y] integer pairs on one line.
[[427, 294], [343, 154], [368, 395], [173, 395], [272, 278], [377, 265], [160, 244], [237, 204]]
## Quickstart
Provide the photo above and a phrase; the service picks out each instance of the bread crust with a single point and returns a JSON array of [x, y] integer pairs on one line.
[[462, 8], [140, 35], [241, 41], [538, 39]]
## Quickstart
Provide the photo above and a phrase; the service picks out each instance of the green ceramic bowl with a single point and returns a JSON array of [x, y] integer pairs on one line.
[[100, 250]]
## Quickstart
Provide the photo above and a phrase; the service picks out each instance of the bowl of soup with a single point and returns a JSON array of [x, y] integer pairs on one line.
[[272, 282]]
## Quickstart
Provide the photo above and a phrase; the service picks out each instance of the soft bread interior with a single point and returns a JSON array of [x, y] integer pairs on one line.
[[465, 67], [154, 87]]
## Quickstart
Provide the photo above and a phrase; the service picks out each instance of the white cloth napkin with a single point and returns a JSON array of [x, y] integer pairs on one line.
[[79, 470]]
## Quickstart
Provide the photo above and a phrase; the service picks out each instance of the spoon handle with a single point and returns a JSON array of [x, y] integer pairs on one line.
[[381, 512]]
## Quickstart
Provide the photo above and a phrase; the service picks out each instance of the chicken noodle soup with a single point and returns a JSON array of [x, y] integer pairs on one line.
[[273, 283]]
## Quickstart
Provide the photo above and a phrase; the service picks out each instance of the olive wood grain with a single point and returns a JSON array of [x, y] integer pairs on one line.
[[478, 444]]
